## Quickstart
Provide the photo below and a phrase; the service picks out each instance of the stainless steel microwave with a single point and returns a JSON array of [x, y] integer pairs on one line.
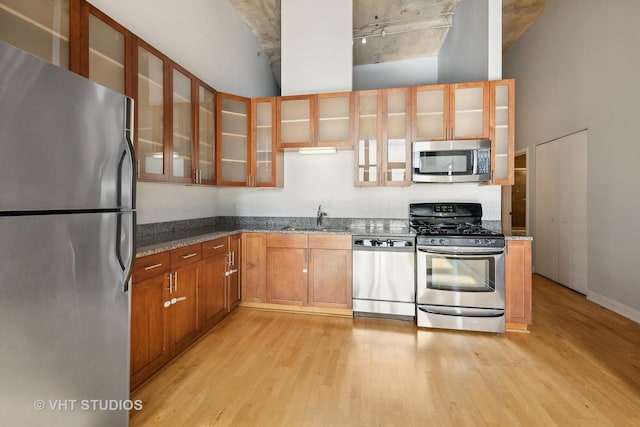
[[452, 161]]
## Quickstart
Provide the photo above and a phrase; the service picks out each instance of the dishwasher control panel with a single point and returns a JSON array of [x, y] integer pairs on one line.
[[382, 242]]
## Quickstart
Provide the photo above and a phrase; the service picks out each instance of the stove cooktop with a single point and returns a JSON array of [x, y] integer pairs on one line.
[[458, 224], [467, 230]]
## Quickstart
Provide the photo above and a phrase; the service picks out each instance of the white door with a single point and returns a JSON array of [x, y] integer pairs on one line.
[[561, 211], [546, 231]]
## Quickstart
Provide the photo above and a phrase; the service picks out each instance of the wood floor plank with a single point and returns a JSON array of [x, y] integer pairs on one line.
[[579, 366]]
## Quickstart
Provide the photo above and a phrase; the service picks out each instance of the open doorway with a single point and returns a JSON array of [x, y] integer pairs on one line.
[[519, 196]]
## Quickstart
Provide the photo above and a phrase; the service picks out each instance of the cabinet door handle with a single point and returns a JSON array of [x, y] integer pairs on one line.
[[179, 299], [217, 246], [175, 282], [151, 267], [305, 271], [170, 283], [189, 255]]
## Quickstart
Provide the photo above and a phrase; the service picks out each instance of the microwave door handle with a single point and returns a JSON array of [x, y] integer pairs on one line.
[[475, 163]]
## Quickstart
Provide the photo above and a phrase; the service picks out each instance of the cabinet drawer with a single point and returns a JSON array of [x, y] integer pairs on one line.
[[329, 241], [186, 255], [150, 266], [215, 247], [285, 240]]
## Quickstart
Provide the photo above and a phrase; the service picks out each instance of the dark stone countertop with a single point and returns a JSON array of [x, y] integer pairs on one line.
[[160, 237]]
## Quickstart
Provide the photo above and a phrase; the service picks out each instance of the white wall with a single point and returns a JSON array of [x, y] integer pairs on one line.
[[464, 56], [211, 40], [328, 179], [410, 72], [208, 38], [577, 67], [316, 46]]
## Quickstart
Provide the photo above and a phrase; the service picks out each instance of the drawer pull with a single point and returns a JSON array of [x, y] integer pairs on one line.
[[151, 267], [217, 247], [189, 255]]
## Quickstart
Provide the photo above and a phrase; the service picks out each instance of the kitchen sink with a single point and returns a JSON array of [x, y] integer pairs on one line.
[[320, 229]]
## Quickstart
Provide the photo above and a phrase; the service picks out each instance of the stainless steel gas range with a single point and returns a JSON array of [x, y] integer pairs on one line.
[[460, 281]]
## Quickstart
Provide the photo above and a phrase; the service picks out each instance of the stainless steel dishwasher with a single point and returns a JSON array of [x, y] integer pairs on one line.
[[383, 276]]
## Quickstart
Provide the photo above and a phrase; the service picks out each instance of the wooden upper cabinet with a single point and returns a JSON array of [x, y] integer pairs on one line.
[[296, 121], [182, 125], [206, 131], [448, 112], [368, 134], [105, 50], [502, 131], [151, 136], [265, 161], [383, 138], [322, 120], [334, 120], [232, 139], [42, 28]]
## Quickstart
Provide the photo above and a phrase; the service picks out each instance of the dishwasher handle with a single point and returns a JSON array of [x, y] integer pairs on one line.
[[383, 244]]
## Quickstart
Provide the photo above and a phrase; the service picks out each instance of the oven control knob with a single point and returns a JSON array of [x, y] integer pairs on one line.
[[478, 242], [442, 241], [433, 241]]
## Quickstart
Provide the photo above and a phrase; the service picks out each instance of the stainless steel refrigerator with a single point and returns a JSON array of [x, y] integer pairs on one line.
[[67, 221]]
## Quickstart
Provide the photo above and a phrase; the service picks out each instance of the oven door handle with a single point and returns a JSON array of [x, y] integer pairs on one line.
[[467, 252], [462, 311]]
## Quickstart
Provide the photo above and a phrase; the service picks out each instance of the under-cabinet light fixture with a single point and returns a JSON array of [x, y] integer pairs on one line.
[[364, 40], [318, 150]]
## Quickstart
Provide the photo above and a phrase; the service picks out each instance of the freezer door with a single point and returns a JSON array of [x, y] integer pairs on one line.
[[64, 319], [65, 140]]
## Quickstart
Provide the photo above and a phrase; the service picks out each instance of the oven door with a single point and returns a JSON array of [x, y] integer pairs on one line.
[[460, 276]]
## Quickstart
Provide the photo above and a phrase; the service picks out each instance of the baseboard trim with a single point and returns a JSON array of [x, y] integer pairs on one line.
[[615, 306]]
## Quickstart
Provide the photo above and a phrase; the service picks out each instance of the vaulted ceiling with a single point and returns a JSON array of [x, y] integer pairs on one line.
[[394, 29]]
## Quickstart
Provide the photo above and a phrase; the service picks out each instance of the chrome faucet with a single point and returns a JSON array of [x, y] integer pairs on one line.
[[320, 215]]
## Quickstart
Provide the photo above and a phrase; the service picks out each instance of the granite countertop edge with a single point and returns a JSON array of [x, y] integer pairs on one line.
[[161, 237], [518, 237], [166, 241]]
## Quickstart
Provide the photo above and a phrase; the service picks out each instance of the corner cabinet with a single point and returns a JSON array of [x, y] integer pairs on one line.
[[232, 137], [266, 163], [449, 112], [383, 138], [502, 131]]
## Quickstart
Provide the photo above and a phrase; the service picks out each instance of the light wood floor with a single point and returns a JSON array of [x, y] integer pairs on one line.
[[579, 366]]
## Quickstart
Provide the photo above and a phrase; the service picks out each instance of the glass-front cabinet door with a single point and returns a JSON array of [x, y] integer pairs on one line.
[[367, 141], [107, 53], [182, 169], [266, 161], [396, 148], [469, 115], [296, 123], [150, 136], [205, 173], [40, 27], [232, 143], [334, 125], [431, 112], [502, 131]]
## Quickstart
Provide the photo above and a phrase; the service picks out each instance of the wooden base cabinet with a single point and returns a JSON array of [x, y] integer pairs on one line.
[[212, 293], [233, 273], [309, 270], [254, 267], [330, 271], [518, 284], [149, 319]]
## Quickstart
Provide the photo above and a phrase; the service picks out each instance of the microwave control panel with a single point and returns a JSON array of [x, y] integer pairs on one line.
[[484, 161]]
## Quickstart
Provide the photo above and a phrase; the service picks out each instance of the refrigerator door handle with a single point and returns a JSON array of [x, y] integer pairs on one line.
[[125, 246], [127, 165]]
